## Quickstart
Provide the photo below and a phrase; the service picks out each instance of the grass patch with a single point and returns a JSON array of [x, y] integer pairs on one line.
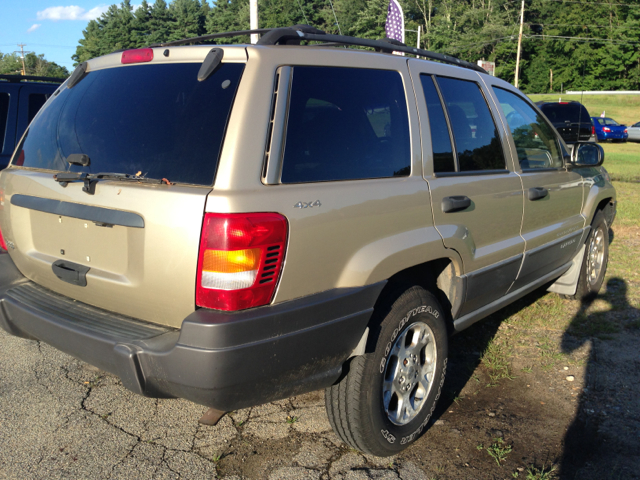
[[496, 360], [593, 325], [544, 473], [499, 450]]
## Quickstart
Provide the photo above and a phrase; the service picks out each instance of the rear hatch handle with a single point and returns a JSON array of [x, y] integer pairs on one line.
[[70, 272]]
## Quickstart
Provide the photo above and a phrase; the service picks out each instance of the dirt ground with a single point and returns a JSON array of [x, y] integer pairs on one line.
[[544, 389]]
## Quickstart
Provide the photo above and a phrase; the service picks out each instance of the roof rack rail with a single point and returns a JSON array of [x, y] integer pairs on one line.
[[31, 78], [213, 36], [297, 33]]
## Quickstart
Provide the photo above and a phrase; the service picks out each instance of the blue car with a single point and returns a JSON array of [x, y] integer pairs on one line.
[[608, 129]]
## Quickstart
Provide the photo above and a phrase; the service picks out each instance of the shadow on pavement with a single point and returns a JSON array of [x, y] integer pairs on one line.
[[595, 447]]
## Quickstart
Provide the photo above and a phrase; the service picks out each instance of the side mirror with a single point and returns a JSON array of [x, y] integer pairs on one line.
[[587, 154]]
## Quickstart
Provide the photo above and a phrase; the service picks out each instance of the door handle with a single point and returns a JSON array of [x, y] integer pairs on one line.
[[455, 203], [536, 193]]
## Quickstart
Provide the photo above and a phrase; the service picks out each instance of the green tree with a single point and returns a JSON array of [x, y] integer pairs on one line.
[[35, 64]]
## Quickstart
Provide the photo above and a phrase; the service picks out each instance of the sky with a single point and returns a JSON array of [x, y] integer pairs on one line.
[[49, 27]]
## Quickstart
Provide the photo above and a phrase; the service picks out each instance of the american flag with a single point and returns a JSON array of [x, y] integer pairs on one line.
[[395, 21]]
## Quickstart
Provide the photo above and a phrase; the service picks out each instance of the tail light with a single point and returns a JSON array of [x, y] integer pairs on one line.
[[3, 245], [606, 129], [593, 130], [139, 55], [626, 131], [240, 259]]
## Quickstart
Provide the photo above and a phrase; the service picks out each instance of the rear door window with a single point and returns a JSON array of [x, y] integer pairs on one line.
[[477, 142], [443, 160], [346, 124], [155, 120]]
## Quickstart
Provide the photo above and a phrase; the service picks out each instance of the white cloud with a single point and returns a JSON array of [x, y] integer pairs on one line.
[[33, 27], [72, 12]]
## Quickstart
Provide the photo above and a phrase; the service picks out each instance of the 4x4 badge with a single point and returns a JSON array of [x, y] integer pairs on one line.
[[308, 205]]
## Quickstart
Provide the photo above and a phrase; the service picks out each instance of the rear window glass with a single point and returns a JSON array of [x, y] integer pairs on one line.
[[346, 124], [4, 114], [559, 112], [154, 119]]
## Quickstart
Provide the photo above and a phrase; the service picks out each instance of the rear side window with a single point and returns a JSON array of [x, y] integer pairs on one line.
[[154, 119], [36, 101], [4, 116], [346, 124], [476, 138]]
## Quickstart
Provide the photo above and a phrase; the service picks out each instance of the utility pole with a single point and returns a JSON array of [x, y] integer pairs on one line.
[[253, 17], [22, 53], [519, 44]]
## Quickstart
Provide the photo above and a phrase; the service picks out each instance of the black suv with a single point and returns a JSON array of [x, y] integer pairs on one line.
[[571, 120], [20, 99]]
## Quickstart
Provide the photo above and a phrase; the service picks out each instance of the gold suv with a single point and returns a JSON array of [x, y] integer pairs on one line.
[[242, 223]]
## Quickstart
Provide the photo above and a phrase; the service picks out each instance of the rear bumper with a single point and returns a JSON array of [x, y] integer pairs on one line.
[[218, 359]]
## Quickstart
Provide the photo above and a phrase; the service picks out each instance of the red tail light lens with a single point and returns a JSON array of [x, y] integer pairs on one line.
[[593, 130], [606, 129], [139, 55], [625, 131], [3, 245], [240, 259]]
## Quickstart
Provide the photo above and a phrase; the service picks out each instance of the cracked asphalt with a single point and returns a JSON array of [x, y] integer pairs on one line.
[[61, 418]]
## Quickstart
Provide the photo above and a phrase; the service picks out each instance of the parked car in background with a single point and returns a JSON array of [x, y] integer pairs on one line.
[[608, 129], [634, 132], [20, 99], [571, 120]]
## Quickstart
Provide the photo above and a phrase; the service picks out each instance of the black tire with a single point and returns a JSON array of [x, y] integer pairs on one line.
[[596, 253], [355, 405]]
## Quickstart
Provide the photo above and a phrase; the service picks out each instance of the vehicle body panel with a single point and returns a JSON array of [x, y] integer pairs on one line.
[[634, 132], [487, 234]]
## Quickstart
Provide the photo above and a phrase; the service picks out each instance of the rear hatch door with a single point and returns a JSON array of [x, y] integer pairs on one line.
[[129, 245]]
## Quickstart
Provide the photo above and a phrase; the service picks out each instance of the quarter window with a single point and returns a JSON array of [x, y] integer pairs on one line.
[[346, 124], [476, 138], [536, 144]]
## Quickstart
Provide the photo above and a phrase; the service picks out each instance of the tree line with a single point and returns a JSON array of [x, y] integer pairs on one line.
[[11, 64], [590, 45]]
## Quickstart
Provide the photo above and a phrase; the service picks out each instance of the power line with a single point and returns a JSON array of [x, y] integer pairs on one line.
[[586, 39], [593, 3]]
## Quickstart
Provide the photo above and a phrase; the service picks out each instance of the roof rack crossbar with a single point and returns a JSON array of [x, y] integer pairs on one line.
[[213, 36]]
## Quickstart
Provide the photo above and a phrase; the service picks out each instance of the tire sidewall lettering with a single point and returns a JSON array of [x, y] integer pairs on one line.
[[385, 433]]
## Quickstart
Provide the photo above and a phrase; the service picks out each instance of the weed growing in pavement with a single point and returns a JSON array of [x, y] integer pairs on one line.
[[291, 420], [499, 450], [534, 473], [217, 457]]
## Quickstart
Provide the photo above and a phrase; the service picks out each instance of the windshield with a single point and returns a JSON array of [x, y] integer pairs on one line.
[[157, 121]]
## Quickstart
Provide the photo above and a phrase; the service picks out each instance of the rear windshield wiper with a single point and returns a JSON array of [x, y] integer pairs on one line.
[[91, 179]]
